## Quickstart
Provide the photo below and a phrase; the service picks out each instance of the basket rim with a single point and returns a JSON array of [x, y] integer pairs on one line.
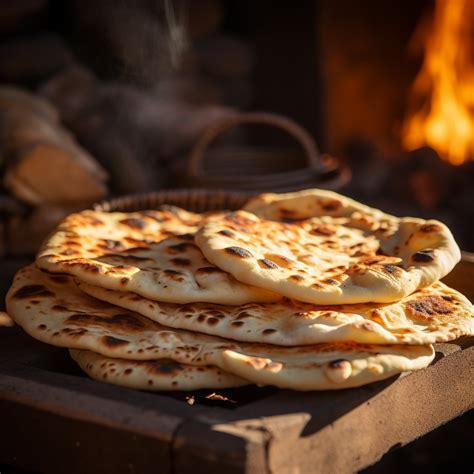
[[178, 197]]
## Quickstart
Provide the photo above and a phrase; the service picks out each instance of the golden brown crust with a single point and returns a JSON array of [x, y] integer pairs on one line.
[[434, 314], [58, 313], [151, 253], [328, 253], [153, 375]]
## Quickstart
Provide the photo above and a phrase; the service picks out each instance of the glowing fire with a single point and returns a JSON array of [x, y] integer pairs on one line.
[[445, 86]]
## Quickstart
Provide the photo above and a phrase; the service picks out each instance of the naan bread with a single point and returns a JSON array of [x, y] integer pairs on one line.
[[434, 314], [52, 309], [329, 366], [153, 375], [151, 253], [331, 260], [311, 203]]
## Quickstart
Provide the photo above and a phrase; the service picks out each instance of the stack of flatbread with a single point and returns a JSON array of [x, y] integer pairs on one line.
[[306, 291]]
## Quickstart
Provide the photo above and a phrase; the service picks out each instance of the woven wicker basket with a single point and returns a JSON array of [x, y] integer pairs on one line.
[[197, 200]]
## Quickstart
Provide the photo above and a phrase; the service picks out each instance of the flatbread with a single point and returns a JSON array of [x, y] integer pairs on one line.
[[329, 366], [151, 253], [52, 309], [153, 375], [434, 314], [311, 203], [331, 260]]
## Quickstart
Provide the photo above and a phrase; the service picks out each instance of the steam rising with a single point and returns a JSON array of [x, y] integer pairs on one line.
[[156, 39], [178, 42]]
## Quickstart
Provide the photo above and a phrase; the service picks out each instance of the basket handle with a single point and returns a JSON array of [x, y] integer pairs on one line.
[[302, 136]]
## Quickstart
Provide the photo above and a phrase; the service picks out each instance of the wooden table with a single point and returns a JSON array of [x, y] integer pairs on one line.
[[54, 419]]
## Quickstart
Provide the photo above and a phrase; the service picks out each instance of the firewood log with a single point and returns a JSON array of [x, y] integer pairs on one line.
[[52, 173], [44, 164]]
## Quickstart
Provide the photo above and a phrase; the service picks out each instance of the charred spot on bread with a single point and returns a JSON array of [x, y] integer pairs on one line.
[[338, 364], [134, 222], [112, 341], [182, 247], [428, 307], [296, 277], [209, 270], [423, 256], [32, 290], [238, 252], [267, 263], [429, 228]]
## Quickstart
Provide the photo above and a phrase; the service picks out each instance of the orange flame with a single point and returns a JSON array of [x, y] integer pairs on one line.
[[445, 86]]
